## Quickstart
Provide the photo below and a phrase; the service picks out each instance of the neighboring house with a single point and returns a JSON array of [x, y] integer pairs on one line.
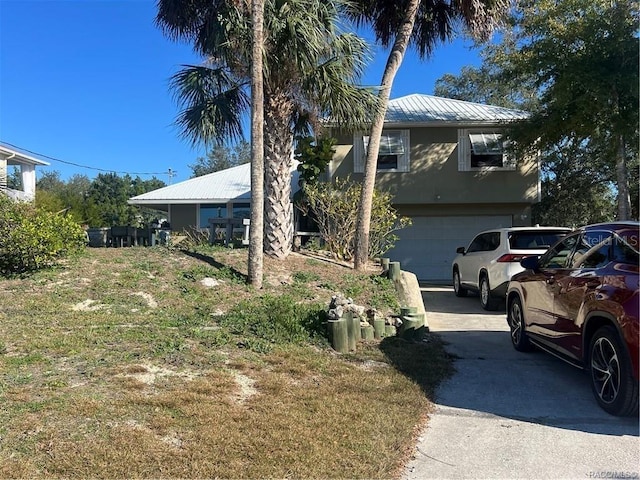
[[443, 160], [27, 166], [223, 194]]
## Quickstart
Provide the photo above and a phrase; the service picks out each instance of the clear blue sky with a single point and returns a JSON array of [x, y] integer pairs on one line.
[[87, 82]]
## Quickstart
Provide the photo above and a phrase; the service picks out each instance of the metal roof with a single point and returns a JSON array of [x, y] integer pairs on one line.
[[415, 110], [429, 110], [219, 187]]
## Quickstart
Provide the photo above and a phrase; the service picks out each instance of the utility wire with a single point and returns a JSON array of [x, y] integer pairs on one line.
[[171, 172]]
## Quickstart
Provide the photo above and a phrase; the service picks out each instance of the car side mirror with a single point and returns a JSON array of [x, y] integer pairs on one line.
[[530, 263], [460, 250]]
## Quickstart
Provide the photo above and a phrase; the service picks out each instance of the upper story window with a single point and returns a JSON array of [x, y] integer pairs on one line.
[[393, 155], [482, 150]]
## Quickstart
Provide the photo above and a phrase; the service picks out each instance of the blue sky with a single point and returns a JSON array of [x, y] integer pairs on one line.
[[87, 82]]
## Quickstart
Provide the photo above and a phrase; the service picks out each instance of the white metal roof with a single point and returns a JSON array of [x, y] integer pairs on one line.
[[219, 187], [427, 109], [14, 157]]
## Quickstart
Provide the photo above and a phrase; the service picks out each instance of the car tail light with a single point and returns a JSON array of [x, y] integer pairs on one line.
[[511, 257]]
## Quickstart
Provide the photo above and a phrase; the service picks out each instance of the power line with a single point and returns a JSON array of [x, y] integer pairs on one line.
[[171, 173]]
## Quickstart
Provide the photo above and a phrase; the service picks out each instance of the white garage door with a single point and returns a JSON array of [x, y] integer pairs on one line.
[[428, 246]]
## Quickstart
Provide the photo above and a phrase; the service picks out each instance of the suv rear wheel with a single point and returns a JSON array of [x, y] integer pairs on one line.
[[611, 378], [459, 290], [486, 300]]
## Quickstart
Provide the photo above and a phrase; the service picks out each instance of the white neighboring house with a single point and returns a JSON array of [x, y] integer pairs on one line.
[[27, 166], [193, 202]]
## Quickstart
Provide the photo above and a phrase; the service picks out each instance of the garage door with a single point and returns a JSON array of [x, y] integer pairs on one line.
[[428, 246]]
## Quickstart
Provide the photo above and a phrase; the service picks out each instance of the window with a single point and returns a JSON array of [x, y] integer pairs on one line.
[[485, 242], [393, 155], [534, 240], [623, 252], [482, 150], [558, 256], [211, 210]]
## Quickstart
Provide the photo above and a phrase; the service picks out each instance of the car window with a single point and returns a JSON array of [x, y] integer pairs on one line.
[[485, 242], [560, 254], [593, 250], [534, 240], [623, 252]]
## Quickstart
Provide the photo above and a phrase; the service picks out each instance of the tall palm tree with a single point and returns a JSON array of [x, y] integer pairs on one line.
[[422, 23], [310, 69], [256, 237]]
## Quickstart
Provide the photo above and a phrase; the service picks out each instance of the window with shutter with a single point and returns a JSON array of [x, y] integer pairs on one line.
[[482, 150], [393, 155]]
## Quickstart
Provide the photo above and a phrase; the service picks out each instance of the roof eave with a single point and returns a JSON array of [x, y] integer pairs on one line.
[[21, 158]]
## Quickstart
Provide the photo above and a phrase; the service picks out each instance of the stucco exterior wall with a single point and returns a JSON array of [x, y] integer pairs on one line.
[[434, 179]]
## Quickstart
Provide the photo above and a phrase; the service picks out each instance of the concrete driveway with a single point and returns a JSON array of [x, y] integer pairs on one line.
[[506, 414]]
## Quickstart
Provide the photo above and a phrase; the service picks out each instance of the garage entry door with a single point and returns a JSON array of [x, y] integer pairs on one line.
[[428, 246]]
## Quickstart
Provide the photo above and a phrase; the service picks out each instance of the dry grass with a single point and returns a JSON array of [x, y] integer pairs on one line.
[[119, 366]]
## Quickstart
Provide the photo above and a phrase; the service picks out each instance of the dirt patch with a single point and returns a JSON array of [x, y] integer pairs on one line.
[[151, 303], [87, 306]]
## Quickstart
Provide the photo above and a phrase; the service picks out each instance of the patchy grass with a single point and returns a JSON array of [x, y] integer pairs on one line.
[[149, 363]]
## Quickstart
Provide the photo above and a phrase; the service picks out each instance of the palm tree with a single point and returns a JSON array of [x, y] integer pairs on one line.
[[422, 23], [256, 238], [309, 71]]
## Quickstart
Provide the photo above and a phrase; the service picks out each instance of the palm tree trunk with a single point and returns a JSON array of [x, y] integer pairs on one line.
[[256, 236], [278, 240], [622, 179], [361, 251]]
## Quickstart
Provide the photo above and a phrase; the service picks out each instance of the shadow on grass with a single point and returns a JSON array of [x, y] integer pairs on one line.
[[426, 362], [214, 263]]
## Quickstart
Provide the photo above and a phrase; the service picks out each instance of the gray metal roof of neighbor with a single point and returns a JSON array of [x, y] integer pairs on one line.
[[428, 109]]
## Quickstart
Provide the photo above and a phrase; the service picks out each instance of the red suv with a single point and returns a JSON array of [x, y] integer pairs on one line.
[[579, 301]]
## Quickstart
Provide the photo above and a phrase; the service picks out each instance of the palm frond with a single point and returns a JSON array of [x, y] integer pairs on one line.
[[436, 22], [213, 103]]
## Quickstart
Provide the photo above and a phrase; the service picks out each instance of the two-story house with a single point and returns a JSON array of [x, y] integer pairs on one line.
[[445, 163], [443, 160]]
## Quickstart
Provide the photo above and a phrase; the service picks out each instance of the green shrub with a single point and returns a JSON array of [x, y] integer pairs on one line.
[[32, 239], [335, 205], [276, 320]]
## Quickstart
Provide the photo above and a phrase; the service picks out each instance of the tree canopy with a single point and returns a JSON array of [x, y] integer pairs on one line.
[[221, 157], [101, 202], [574, 66]]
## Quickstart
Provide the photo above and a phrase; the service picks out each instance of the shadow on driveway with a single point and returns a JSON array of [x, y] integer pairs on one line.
[[493, 379]]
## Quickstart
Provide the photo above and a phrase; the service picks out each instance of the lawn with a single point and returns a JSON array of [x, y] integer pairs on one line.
[[163, 363]]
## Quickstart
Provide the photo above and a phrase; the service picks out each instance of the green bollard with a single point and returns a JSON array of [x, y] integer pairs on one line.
[[351, 330], [338, 335], [367, 332], [389, 331], [394, 270], [378, 327]]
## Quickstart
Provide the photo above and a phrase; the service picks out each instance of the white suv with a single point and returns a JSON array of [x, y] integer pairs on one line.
[[493, 257]]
